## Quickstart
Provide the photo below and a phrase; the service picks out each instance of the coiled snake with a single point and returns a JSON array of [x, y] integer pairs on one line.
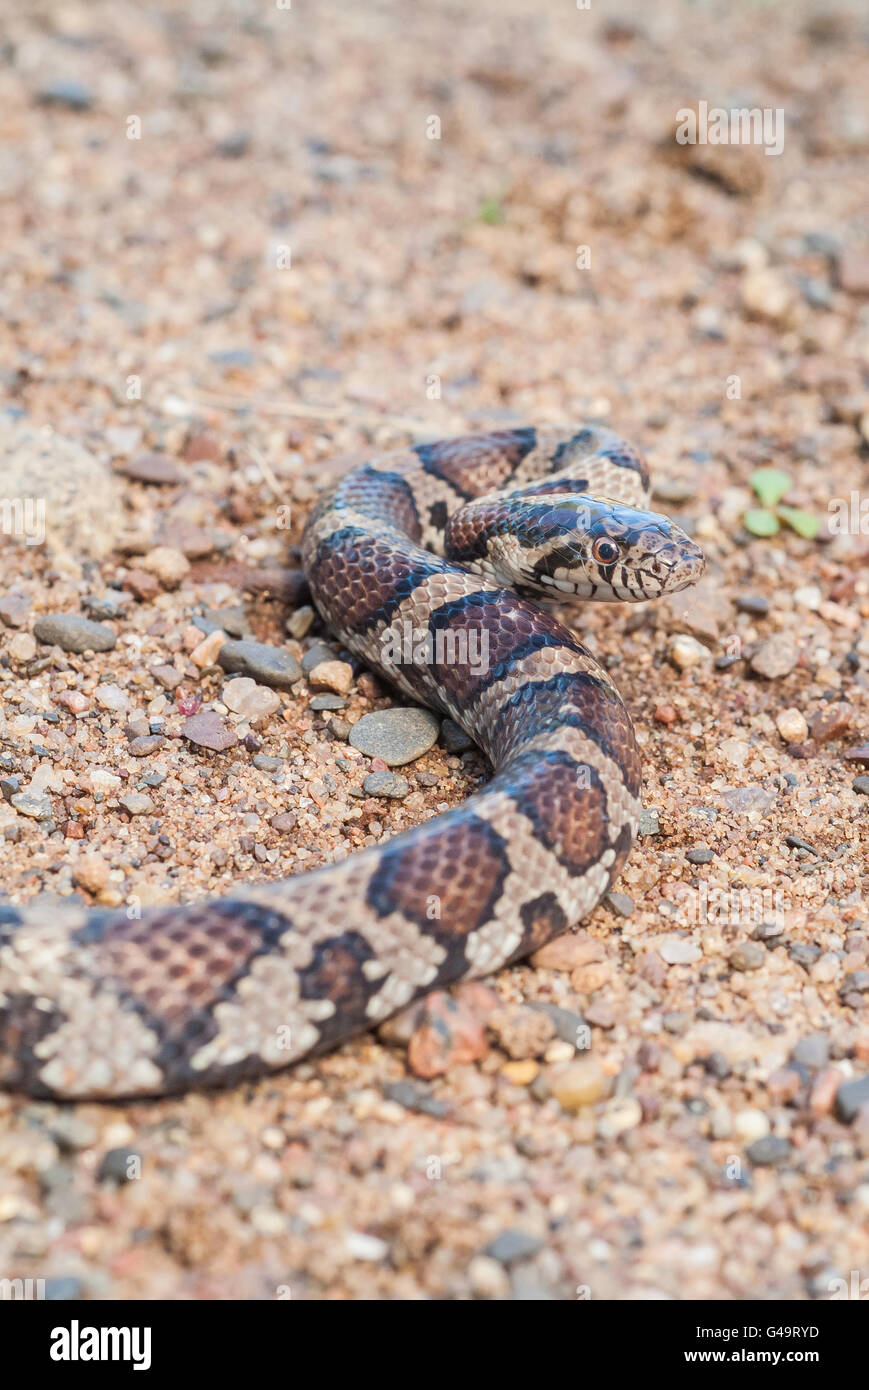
[[445, 541]]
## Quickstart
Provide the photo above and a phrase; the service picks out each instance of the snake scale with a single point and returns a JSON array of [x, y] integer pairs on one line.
[[448, 541]]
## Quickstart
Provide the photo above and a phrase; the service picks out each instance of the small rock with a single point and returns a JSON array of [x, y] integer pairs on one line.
[[620, 903], [414, 1097], [580, 1083], [142, 584], [832, 721], [265, 763], [754, 604], [91, 872], [29, 804], [812, 1051], [860, 754], [207, 652], [861, 786], [169, 565], [111, 697], [73, 633], [521, 1073], [453, 738], [791, 725], [649, 822], [299, 623], [327, 702], [747, 955], [567, 952], [136, 804], [770, 1151], [766, 294], [68, 93], [151, 468], [283, 822], [249, 700], [751, 1124], [685, 652], [167, 676], [511, 1245], [701, 854], [520, 1031], [267, 665], [398, 736], [488, 1279], [808, 596], [331, 675], [209, 731], [14, 609], [620, 1115], [388, 784], [74, 701], [119, 1166], [145, 745], [850, 1098], [22, 647], [678, 950], [776, 657]]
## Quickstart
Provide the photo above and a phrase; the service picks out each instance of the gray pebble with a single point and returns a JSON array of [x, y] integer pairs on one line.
[[755, 604], [36, 807], [748, 955], [453, 738], [415, 1097], [317, 652], [398, 736], [649, 823], [620, 903], [851, 1097], [268, 665], [776, 657], [118, 1165], [386, 784], [136, 804], [73, 633], [567, 1023], [266, 763], [511, 1245], [63, 1288], [67, 92], [861, 786], [328, 702], [812, 1051], [700, 855], [770, 1151], [804, 953]]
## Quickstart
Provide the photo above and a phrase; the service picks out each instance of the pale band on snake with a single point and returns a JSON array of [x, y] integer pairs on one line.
[[453, 538]]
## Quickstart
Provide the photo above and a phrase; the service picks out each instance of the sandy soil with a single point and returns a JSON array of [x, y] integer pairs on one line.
[[229, 237]]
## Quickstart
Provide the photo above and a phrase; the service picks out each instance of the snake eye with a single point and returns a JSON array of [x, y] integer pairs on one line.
[[605, 551]]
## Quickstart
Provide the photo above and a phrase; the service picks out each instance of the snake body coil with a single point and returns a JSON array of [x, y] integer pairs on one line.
[[445, 542]]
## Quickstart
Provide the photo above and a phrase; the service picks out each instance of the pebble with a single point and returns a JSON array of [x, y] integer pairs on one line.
[[487, 1277], [521, 1032], [570, 1027], [751, 1124], [169, 565], [686, 652], [29, 804], [22, 647], [265, 763], [766, 294], [412, 1096], [207, 652], [167, 676], [620, 903], [365, 1247], [512, 1245], [398, 735], [249, 700], [701, 854], [831, 722], [267, 665], [792, 725], [299, 623], [747, 955], [209, 731], [136, 804], [808, 596], [321, 702], [812, 1051], [521, 1073], [861, 786], [73, 633], [769, 1151], [754, 604], [453, 738], [119, 1165], [578, 1084], [317, 652], [649, 822], [679, 950], [146, 744], [388, 784], [151, 468], [620, 1115], [142, 584], [567, 952], [91, 872], [850, 1098], [331, 675], [14, 609], [283, 822], [859, 754], [67, 92], [775, 657], [111, 697]]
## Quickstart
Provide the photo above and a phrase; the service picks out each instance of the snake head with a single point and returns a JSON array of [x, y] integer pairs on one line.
[[574, 545]]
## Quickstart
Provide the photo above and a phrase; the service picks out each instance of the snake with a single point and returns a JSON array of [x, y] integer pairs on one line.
[[440, 567]]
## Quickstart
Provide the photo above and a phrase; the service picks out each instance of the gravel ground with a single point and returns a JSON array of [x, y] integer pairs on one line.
[[235, 261]]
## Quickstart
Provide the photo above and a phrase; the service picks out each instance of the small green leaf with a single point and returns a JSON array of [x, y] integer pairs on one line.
[[491, 212], [802, 522], [760, 522], [770, 484]]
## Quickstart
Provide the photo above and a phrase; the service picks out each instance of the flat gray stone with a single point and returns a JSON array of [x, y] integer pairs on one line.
[[73, 633], [386, 784], [268, 665], [398, 736]]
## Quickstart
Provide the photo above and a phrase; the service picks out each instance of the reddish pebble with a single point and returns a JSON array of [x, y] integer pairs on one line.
[[188, 704], [74, 830], [858, 755], [142, 584], [665, 714], [449, 1035], [823, 1092], [74, 701], [831, 722], [210, 731], [378, 765]]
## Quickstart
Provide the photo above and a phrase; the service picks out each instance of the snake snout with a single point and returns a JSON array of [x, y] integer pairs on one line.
[[680, 563]]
